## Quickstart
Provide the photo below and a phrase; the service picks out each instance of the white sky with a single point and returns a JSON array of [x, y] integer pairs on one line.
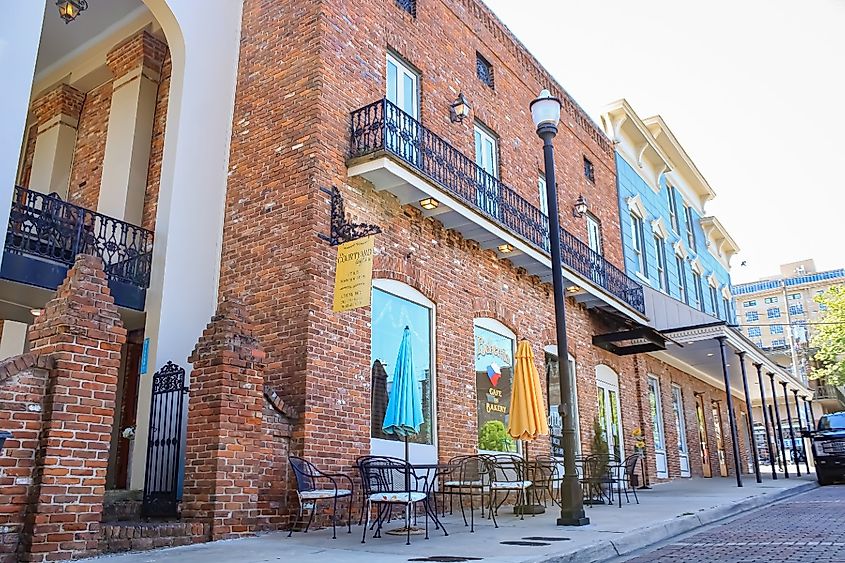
[[753, 89]]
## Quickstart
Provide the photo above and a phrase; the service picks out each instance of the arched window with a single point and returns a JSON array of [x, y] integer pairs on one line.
[[495, 348], [395, 306], [553, 400]]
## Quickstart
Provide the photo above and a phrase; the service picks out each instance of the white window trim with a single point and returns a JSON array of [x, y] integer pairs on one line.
[[552, 349], [402, 65], [501, 329], [484, 131], [405, 291]]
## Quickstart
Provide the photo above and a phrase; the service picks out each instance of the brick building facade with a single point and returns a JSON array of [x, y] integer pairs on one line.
[[243, 223]]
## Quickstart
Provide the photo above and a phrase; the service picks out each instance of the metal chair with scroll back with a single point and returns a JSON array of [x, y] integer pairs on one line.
[[309, 491], [392, 482]]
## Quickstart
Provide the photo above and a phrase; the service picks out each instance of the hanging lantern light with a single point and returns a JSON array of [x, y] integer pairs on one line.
[[69, 9]]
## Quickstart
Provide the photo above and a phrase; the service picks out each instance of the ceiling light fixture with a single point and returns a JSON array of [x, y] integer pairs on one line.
[[69, 9], [429, 203]]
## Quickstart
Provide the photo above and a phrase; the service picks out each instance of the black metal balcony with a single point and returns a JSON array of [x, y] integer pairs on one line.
[[45, 234], [382, 126]]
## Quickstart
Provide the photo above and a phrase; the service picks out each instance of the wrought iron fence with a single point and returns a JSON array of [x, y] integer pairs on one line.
[[47, 227], [382, 126], [168, 409]]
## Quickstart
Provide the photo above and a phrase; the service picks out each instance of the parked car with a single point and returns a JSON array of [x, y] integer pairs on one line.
[[829, 447]]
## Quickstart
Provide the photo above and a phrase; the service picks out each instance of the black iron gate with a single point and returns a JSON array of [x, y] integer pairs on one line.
[[167, 409]]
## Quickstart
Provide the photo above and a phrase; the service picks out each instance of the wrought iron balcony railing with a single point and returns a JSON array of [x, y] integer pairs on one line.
[[46, 227], [382, 126], [829, 392]]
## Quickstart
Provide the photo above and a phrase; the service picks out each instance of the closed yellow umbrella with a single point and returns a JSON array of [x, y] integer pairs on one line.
[[528, 417]]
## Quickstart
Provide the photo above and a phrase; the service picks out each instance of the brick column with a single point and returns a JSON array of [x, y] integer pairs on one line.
[[136, 66], [57, 116], [82, 331], [223, 454]]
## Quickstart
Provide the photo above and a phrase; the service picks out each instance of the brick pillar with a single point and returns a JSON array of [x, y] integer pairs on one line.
[[136, 65], [81, 329], [223, 453], [57, 117]]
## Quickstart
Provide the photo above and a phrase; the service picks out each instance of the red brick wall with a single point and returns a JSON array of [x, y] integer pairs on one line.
[[291, 136], [667, 375], [23, 384], [89, 152], [93, 110], [157, 149]]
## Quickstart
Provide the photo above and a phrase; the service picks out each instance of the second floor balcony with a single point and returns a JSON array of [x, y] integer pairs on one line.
[[46, 233], [397, 153]]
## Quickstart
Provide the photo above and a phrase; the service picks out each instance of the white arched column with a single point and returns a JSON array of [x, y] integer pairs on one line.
[[204, 46], [20, 34]]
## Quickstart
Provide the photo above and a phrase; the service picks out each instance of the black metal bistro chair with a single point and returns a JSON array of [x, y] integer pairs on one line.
[[471, 476], [309, 491], [389, 483], [596, 479], [624, 473], [547, 475], [509, 475]]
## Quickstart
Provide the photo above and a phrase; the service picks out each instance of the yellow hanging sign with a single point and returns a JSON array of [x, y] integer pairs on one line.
[[353, 278]]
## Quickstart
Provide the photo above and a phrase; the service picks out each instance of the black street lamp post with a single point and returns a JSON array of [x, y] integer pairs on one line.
[[545, 111]]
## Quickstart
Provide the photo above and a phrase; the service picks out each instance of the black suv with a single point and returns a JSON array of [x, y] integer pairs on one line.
[[829, 447]]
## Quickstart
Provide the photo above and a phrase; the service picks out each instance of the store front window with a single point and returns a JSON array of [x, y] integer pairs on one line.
[[494, 357], [394, 307], [553, 400]]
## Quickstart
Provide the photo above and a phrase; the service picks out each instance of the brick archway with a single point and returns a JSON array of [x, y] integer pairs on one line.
[[484, 307], [401, 270]]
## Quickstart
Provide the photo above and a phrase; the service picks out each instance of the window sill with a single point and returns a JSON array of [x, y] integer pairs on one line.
[[643, 278]]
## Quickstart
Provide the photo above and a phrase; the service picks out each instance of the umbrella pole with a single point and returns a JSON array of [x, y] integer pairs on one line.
[[407, 472]]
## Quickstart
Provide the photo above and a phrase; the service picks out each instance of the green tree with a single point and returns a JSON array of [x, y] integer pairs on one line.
[[494, 437], [829, 339]]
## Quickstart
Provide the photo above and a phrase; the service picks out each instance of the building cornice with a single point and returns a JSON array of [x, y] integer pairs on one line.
[[681, 164], [723, 245]]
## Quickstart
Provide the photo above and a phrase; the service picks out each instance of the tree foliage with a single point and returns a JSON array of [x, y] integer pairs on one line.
[[829, 339]]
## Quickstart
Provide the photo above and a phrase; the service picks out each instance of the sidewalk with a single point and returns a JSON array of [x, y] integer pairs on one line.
[[665, 511]]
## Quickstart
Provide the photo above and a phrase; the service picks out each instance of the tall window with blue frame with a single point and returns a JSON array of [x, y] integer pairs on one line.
[[638, 243], [682, 279], [714, 300], [662, 271], [699, 292], [690, 228], [673, 207]]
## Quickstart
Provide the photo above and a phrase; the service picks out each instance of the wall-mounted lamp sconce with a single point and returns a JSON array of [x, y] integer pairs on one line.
[[429, 203], [580, 207], [460, 108], [36, 312], [69, 9], [505, 248]]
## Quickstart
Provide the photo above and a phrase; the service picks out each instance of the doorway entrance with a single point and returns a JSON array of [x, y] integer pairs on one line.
[[609, 414], [706, 471], [681, 428], [658, 432], [720, 439]]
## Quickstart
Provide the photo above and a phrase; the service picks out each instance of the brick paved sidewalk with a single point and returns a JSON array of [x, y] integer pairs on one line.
[[807, 527]]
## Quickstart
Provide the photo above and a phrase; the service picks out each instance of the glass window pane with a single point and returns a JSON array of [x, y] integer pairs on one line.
[[390, 315], [392, 90], [493, 379], [410, 95]]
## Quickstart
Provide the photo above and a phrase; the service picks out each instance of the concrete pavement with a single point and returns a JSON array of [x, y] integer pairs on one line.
[[665, 511]]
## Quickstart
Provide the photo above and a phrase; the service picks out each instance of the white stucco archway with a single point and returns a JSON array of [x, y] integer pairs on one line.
[[204, 46]]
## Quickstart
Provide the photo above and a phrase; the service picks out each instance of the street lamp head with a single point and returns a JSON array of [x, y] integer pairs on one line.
[[545, 111]]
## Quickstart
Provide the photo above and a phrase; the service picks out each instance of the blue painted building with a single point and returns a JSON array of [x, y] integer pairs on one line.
[[668, 240]]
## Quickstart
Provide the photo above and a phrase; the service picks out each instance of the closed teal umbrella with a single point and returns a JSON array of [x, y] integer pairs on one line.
[[404, 414]]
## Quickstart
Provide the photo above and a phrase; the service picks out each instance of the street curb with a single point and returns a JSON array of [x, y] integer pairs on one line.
[[643, 537]]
